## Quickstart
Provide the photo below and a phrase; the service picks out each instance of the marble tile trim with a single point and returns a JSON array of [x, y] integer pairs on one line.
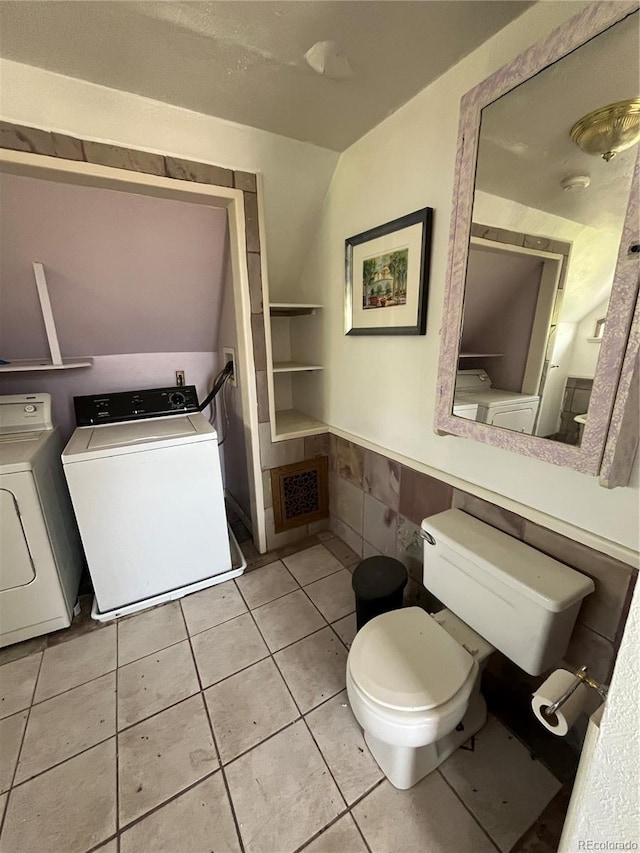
[[254, 267], [263, 396], [124, 158], [382, 479], [603, 610], [508, 522], [251, 221], [36, 141], [414, 496], [203, 173], [18, 138], [349, 461]]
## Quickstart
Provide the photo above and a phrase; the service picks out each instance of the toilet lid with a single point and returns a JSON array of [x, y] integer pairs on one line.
[[406, 661]]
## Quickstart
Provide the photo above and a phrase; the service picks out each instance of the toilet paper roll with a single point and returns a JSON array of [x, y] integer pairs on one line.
[[549, 692]]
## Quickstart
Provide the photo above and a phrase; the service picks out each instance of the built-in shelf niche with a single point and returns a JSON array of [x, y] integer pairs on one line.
[[292, 309], [295, 371]]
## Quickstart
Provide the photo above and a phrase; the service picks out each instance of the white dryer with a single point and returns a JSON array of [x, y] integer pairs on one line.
[[40, 553], [146, 487], [507, 409]]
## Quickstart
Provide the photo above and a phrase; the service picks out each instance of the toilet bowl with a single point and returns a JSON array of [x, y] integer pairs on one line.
[[413, 679], [414, 689]]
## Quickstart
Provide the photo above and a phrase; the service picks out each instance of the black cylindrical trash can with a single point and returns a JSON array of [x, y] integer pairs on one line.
[[378, 584]]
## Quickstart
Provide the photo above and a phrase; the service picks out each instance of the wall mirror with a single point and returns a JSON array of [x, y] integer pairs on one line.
[[537, 349]]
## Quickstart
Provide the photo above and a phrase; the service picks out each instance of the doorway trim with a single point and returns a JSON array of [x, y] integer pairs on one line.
[[185, 181]]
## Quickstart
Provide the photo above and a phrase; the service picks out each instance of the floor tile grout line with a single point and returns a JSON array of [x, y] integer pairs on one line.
[[127, 826], [155, 651], [105, 739], [117, 732], [305, 723], [357, 803], [208, 628], [300, 716], [271, 600], [301, 712], [318, 609], [24, 731], [64, 761], [272, 655], [173, 704], [340, 568], [342, 814], [320, 832], [467, 809], [225, 782], [117, 746], [3, 819], [107, 840], [75, 687]]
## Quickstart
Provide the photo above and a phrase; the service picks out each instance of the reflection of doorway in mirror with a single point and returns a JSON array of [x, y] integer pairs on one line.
[[513, 294]]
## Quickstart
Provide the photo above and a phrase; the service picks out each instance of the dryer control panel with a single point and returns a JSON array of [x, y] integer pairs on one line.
[[25, 413], [135, 405]]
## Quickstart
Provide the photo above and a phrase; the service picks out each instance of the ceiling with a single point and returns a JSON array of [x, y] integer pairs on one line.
[[525, 146], [526, 151], [244, 61]]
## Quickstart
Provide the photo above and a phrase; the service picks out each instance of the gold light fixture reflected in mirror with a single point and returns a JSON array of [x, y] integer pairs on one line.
[[608, 130]]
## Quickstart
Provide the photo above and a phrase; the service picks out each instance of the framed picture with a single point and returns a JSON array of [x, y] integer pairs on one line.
[[387, 277]]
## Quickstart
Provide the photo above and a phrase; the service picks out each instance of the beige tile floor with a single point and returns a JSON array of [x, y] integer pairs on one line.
[[221, 723]]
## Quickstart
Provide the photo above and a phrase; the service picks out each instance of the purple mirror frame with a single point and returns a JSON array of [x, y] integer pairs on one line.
[[611, 433]]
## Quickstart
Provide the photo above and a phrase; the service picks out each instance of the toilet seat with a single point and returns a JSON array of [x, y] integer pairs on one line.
[[405, 661]]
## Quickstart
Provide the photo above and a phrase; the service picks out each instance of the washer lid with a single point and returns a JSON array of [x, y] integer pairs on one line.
[[495, 397], [404, 660], [135, 436], [131, 432]]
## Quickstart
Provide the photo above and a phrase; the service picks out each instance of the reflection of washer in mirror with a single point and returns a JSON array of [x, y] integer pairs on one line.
[[506, 409]]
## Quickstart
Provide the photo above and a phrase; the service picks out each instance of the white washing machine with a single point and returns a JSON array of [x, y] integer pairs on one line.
[[40, 553], [143, 470], [507, 409], [463, 409]]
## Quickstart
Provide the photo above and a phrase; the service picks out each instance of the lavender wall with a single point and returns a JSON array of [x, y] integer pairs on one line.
[[136, 282], [127, 372], [127, 273], [499, 307]]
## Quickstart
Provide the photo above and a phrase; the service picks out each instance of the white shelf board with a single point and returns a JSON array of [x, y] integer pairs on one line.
[[44, 364], [291, 423], [481, 355], [293, 367], [292, 309]]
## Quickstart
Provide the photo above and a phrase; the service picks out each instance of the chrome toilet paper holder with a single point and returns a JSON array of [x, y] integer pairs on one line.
[[581, 678]]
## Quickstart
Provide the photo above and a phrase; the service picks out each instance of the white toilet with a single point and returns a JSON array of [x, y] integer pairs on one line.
[[413, 679]]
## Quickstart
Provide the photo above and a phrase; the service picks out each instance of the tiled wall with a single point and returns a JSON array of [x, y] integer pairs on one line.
[[272, 455], [577, 393], [377, 506]]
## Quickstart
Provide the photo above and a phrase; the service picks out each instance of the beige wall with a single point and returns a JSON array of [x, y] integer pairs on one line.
[[405, 163], [126, 273], [296, 174]]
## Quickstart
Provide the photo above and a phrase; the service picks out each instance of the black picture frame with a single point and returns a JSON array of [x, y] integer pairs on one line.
[[394, 276]]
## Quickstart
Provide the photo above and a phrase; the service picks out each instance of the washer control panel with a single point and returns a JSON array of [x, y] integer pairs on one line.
[[135, 405]]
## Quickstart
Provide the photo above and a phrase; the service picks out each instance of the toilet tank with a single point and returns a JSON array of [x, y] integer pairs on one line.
[[523, 602]]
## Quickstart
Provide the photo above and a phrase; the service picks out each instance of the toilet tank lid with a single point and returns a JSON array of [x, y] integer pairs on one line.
[[551, 584]]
